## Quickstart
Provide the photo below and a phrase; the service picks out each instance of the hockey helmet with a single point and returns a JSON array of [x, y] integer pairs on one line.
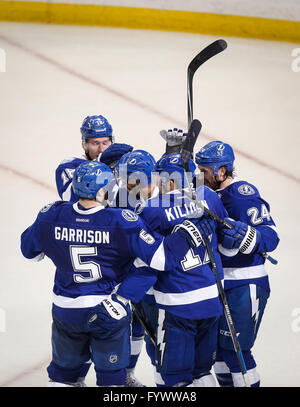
[[95, 126], [172, 165], [216, 154], [89, 177], [137, 162]]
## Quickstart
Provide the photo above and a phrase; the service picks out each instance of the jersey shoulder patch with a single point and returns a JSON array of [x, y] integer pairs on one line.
[[129, 215], [244, 189], [50, 206], [47, 207]]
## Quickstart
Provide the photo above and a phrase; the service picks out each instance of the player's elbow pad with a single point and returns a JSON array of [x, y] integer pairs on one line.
[[251, 240], [269, 239]]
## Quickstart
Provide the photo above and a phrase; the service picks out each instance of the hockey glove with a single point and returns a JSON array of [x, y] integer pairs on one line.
[[114, 152], [111, 313], [196, 230], [242, 237], [174, 139]]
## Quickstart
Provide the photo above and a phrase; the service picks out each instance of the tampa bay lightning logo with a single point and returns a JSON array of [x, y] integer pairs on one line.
[[139, 207], [220, 149], [246, 189], [132, 161], [46, 207], [129, 215], [174, 160], [96, 122]]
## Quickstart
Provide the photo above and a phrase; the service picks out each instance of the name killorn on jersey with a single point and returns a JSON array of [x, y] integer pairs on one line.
[[81, 235], [176, 212]]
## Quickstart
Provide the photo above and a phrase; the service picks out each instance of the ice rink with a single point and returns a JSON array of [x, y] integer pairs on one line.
[[56, 75]]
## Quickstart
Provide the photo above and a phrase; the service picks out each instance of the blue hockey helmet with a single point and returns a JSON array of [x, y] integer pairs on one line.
[[96, 126], [216, 154], [137, 162], [89, 177], [172, 163]]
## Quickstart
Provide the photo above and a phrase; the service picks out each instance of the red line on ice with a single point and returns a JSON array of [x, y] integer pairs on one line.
[[141, 105], [25, 372], [26, 176]]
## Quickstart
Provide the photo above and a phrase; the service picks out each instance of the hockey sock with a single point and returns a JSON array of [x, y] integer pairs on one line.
[[174, 380], [150, 349], [237, 377], [63, 375], [110, 378], [222, 371], [205, 380], [84, 371], [136, 347]]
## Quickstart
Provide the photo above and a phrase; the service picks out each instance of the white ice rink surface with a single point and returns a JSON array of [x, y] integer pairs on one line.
[[56, 75]]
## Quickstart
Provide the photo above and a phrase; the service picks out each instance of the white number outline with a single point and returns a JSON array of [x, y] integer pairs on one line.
[[67, 174], [255, 219], [194, 259], [91, 267]]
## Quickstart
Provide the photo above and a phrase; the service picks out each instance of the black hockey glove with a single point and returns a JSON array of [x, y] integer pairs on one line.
[[114, 152]]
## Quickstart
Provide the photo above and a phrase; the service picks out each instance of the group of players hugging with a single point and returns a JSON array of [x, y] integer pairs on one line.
[[128, 245]]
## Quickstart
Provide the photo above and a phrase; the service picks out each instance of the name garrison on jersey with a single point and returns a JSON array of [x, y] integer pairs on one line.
[[81, 235]]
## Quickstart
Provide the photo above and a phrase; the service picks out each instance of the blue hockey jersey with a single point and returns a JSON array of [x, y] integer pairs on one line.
[[244, 203], [64, 177], [189, 288], [93, 249]]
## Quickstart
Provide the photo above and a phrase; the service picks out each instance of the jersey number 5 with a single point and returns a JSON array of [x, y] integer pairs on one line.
[[92, 268]]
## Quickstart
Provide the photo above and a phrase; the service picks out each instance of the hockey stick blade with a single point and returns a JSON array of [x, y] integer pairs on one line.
[[211, 50], [189, 143]]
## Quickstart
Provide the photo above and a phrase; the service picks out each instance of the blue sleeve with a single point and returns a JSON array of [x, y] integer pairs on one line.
[[158, 252], [153, 219], [139, 280], [255, 211], [269, 239], [64, 176], [30, 242], [31, 247]]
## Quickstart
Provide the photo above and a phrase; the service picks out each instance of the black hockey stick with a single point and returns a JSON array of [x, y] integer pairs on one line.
[[203, 56], [187, 152], [211, 50], [142, 321]]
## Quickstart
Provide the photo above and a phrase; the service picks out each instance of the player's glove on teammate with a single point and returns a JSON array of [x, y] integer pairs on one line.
[[114, 152], [242, 237], [174, 139], [196, 229], [111, 313]]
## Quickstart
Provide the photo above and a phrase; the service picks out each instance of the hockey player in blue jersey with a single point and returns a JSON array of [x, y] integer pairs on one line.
[[245, 278], [133, 172], [98, 144], [183, 317], [93, 248]]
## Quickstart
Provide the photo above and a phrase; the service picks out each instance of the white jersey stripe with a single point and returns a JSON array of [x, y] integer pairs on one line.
[[84, 301], [245, 273], [189, 297]]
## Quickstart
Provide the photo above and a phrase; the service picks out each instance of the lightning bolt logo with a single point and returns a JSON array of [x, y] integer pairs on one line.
[[161, 334], [254, 303]]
